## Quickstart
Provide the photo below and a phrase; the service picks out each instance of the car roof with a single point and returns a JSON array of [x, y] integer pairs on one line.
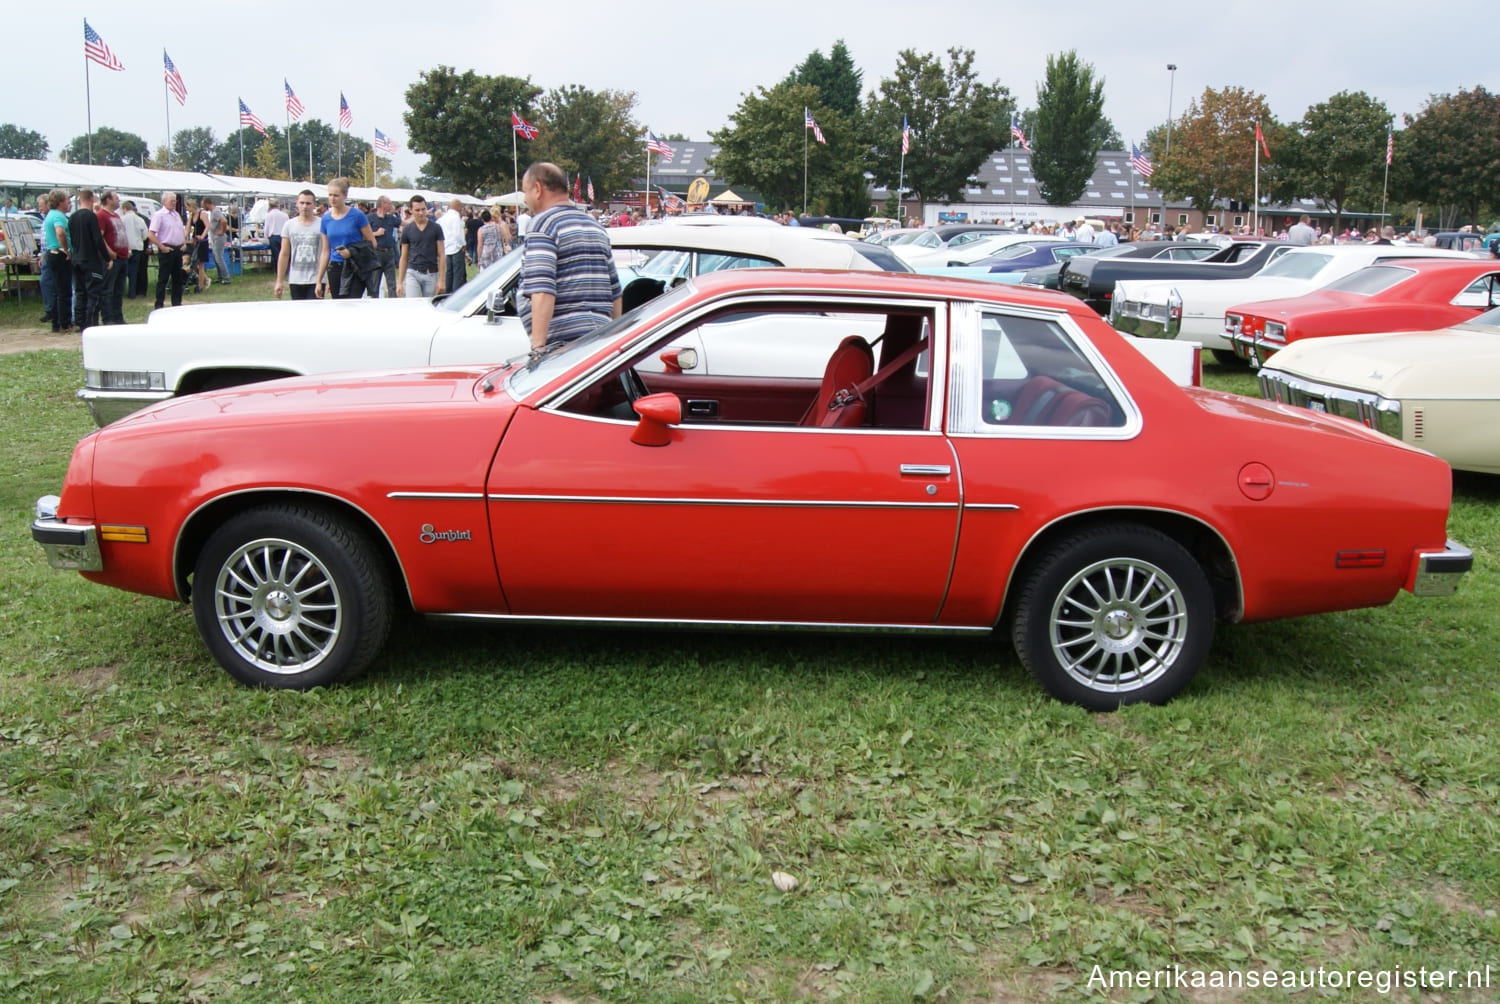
[[884, 284], [794, 247]]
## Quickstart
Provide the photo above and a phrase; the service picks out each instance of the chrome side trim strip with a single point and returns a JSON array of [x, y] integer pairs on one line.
[[714, 624], [768, 503], [996, 506], [435, 495]]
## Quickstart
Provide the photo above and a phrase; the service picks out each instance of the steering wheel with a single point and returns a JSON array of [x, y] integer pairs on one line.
[[634, 387]]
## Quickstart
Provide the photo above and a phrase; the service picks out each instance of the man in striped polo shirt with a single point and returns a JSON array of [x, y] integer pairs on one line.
[[569, 285]]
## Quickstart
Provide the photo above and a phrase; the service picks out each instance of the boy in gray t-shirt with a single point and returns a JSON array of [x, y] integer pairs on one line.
[[303, 250]]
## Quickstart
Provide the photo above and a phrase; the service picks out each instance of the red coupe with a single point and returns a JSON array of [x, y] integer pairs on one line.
[[1414, 294], [970, 457]]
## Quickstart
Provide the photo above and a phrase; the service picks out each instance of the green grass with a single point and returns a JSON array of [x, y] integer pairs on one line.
[[254, 284], [522, 814]]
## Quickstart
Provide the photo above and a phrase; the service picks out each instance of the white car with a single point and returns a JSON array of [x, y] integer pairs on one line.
[[1194, 309], [183, 350]]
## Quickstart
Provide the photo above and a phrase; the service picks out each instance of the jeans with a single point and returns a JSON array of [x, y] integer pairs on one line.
[[457, 271], [113, 304], [420, 284], [135, 273], [88, 292], [61, 271], [49, 292], [274, 243], [169, 270], [303, 291], [388, 270], [221, 262]]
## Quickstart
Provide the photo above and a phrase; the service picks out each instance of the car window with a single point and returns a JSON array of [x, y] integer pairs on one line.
[[1033, 375], [882, 258], [711, 261], [1482, 293], [476, 289], [1191, 253], [765, 364], [1371, 279], [1063, 254], [1297, 266]]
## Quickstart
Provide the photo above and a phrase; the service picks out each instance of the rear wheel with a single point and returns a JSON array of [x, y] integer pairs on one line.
[[1114, 615], [291, 597]]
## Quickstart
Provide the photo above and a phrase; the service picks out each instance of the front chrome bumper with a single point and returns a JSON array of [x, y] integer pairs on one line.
[[69, 546], [1439, 572], [112, 405]]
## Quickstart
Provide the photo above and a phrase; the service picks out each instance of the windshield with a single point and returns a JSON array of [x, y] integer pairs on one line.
[[527, 378], [1297, 266], [476, 289], [1373, 279]]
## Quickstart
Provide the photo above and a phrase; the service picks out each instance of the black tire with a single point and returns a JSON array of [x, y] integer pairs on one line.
[[1114, 615], [1226, 357], [291, 597]]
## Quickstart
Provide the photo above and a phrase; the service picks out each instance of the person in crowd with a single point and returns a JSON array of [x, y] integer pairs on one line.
[[304, 251], [422, 271], [1109, 236], [135, 238], [1386, 236], [385, 224], [57, 273], [507, 231], [472, 223], [276, 219], [452, 223], [92, 258], [198, 246], [1082, 232], [217, 224], [168, 237], [569, 285], [344, 226], [112, 305], [523, 223], [489, 239]]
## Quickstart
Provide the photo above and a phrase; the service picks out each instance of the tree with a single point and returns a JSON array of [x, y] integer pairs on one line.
[[956, 122], [462, 122], [1336, 154], [269, 157], [111, 147], [370, 168], [1213, 149], [762, 149], [1065, 140], [226, 157], [835, 76], [593, 133], [1448, 156], [194, 149], [22, 144]]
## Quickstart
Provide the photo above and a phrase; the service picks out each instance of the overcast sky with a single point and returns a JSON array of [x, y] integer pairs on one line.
[[690, 64]]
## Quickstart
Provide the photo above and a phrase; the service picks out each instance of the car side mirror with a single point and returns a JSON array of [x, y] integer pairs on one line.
[[682, 358], [500, 303], [658, 412]]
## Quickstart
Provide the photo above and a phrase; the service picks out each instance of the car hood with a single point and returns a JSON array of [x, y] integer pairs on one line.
[[1461, 361], [319, 397]]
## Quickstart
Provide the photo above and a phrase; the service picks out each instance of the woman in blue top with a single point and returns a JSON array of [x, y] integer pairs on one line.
[[343, 225]]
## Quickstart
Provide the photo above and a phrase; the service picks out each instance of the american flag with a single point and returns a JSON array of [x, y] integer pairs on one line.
[[1140, 162], [346, 117], [1018, 135], [1390, 146], [174, 79], [293, 104], [659, 148], [521, 127], [591, 189], [95, 49], [384, 143], [249, 118], [808, 123], [905, 137], [669, 200]]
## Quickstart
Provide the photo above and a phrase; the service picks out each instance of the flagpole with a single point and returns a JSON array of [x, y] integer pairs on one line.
[[515, 165], [1255, 213], [648, 183], [901, 175], [166, 101], [286, 106], [804, 164], [1385, 185], [88, 97], [242, 145]]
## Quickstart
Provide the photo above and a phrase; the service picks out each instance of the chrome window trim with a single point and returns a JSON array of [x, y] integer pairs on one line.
[[965, 380]]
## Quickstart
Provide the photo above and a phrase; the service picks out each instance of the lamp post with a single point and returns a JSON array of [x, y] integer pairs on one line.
[[1171, 82]]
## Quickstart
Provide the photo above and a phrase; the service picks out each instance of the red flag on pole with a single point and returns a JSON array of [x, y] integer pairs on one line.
[[1260, 138]]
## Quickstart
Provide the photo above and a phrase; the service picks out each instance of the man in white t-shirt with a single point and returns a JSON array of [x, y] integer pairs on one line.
[[1082, 232], [452, 225], [304, 251], [275, 221]]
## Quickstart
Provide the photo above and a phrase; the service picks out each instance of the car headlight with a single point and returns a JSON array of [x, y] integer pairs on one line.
[[125, 379], [1275, 331]]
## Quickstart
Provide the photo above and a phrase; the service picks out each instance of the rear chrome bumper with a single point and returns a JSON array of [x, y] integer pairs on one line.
[[70, 546], [112, 405], [1438, 572]]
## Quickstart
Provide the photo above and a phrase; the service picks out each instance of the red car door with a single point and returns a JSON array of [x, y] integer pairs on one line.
[[725, 523]]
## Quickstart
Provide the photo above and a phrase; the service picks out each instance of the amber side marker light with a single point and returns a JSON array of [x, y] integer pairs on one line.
[[122, 534]]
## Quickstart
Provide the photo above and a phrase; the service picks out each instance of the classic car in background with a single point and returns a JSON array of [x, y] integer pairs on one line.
[[1439, 390], [183, 350], [1417, 294], [997, 459], [1049, 276], [1010, 264], [1092, 279], [1195, 308], [923, 259]]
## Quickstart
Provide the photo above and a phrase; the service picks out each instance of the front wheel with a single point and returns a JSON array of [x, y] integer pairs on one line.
[[1114, 615], [290, 597]]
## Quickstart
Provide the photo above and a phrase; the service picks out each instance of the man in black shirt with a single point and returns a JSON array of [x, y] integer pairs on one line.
[[421, 254], [385, 224], [91, 261]]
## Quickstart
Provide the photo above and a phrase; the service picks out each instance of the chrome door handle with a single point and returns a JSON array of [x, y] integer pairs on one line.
[[927, 470]]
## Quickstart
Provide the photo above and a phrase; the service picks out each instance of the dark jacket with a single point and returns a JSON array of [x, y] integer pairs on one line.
[[360, 270]]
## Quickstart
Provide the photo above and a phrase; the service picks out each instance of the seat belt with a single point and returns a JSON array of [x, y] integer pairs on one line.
[[857, 392]]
